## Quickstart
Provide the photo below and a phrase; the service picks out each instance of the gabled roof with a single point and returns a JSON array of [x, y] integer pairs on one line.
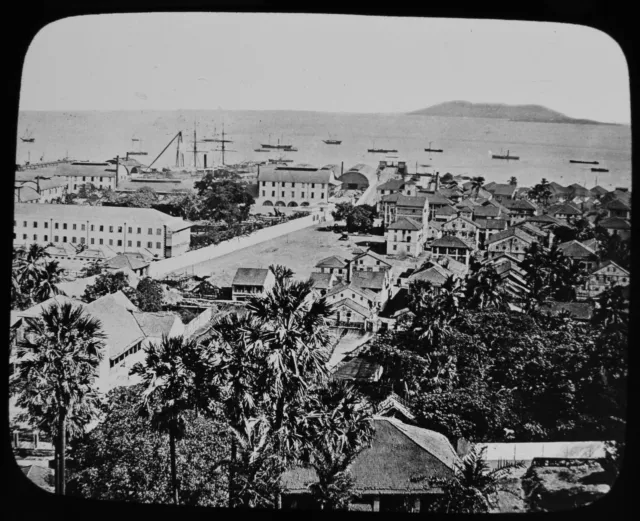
[[598, 190], [390, 198], [155, 325], [500, 206], [563, 208], [464, 219], [250, 277], [411, 201], [519, 204], [332, 262], [398, 453], [616, 204], [446, 210], [579, 190], [530, 228], [502, 189], [437, 198], [450, 241], [486, 211], [405, 223], [575, 249], [511, 232], [503, 257], [359, 290], [608, 263], [557, 188], [133, 261], [321, 280], [353, 306], [391, 184], [58, 300], [372, 254], [121, 328], [591, 243], [436, 275], [457, 267], [360, 368], [544, 218], [615, 223], [368, 279]]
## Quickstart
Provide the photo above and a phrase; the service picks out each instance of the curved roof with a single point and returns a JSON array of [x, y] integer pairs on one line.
[[295, 175]]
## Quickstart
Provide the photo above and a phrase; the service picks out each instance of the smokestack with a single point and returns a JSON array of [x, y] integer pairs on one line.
[[205, 160], [341, 168], [117, 165]]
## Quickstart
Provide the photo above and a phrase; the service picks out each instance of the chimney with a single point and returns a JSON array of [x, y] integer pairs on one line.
[[117, 165], [341, 168]]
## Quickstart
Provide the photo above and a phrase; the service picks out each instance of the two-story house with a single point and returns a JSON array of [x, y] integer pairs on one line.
[[579, 253], [251, 282], [617, 226], [513, 241], [519, 209], [336, 265], [451, 246], [405, 236], [603, 277], [397, 205], [618, 208], [295, 186], [489, 227], [465, 229], [565, 212], [502, 192]]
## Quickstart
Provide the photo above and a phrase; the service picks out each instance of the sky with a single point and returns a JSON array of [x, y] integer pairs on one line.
[[330, 63]]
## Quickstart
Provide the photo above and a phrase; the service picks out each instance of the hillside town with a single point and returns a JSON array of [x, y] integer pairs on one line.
[[432, 318]]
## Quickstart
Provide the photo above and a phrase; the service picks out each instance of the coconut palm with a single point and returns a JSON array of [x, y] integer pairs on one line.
[[56, 371], [513, 181], [295, 340], [50, 277], [476, 185], [484, 289], [281, 273], [169, 393], [29, 262]]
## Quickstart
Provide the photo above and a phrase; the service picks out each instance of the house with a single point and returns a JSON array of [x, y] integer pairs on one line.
[[513, 241], [323, 282], [603, 277], [350, 291], [32, 187], [368, 261], [544, 237], [436, 201], [392, 186], [358, 177], [123, 229], [617, 226], [459, 269], [559, 193], [488, 228], [251, 282], [512, 276], [488, 211], [445, 213], [618, 208], [519, 209], [405, 236], [384, 473], [463, 228], [378, 282], [137, 263], [579, 253], [434, 230], [398, 205], [334, 264], [295, 186], [435, 275], [576, 191], [348, 313], [565, 212], [502, 192], [451, 246]]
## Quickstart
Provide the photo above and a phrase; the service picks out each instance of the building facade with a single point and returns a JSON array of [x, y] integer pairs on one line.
[[251, 282], [295, 186], [122, 229]]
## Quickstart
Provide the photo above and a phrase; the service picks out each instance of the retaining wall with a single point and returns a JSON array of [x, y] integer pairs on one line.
[[190, 258]]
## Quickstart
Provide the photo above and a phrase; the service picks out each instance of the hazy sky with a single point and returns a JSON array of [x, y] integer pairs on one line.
[[320, 62]]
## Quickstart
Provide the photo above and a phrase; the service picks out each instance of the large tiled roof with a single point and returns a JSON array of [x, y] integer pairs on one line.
[[492, 224], [391, 184], [133, 261], [321, 280], [144, 216], [346, 287], [446, 210], [598, 190], [531, 229], [58, 300], [436, 275], [121, 328], [503, 189], [412, 201], [397, 454], [353, 306], [511, 232], [437, 198], [390, 198], [464, 219], [615, 223], [616, 204], [563, 208], [405, 223], [449, 241], [575, 249], [250, 276], [558, 188], [357, 368], [289, 175], [519, 204], [155, 325], [332, 262], [368, 279], [579, 190], [374, 255], [457, 267], [486, 211]]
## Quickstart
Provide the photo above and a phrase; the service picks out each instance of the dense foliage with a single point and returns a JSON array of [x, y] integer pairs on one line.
[[34, 279], [357, 218]]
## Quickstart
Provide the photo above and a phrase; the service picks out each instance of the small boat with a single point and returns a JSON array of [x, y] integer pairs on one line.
[[27, 138], [280, 161], [599, 170], [381, 150], [291, 149], [276, 147], [432, 149], [583, 162], [261, 150], [507, 156], [332, 141]]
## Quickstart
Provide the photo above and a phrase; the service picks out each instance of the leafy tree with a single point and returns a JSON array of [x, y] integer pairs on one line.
[[150, 295], [57, 369], [91, 269], [224, 200], [188, 206], [106, 284], [483, 289], [50, 277], [144, 197], [541, 193], [124, 458], [612, 310], [513, 181], [169, 393]]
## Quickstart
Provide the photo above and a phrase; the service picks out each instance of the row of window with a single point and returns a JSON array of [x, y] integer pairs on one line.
[[293, 194], [273, 183], [124, 355], [93, 227], [82, 240]]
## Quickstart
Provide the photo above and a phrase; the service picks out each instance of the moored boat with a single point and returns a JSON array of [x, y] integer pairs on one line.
[[579, 161]]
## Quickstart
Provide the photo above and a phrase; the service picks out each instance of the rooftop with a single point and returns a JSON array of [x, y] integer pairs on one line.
[[332, 262], [615, 223], [67, 212], [321, 280], [449, 241], [563, 208], [576, 249], [133, 261], [412, 201], [391, 184], [405, 223], [289, 175], [511, 232], [368, 279], [353, 306], [502, 189], [374, 255], [492, 224], [435, 275], [250, 277], [155, 325]]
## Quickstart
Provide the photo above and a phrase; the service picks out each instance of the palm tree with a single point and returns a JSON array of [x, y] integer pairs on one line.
[[48, 283], [29, 262], [484, 289], [170, 392], [611, 309], [57, 368], [295, 338], [281, 273], [476, 185], [474, 485], [513, 181]]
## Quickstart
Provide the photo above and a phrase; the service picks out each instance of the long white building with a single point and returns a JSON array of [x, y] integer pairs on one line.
[[122, 229], [295, 186]]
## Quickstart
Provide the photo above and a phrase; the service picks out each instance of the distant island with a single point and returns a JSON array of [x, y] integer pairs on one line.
[[524, 113]]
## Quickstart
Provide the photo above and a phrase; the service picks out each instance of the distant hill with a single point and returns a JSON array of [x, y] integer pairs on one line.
[[526, 113]]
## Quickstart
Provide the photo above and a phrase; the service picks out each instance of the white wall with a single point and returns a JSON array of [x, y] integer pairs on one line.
[[191, 258]]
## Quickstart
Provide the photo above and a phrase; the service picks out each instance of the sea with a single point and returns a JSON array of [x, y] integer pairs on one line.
[[544, 149]]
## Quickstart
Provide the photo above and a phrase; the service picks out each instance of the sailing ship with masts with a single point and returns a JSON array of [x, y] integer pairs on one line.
[[432, 149], [331, 141], [139, 151], [28, 138], [375, 150], [505, 156], [278, 146]]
